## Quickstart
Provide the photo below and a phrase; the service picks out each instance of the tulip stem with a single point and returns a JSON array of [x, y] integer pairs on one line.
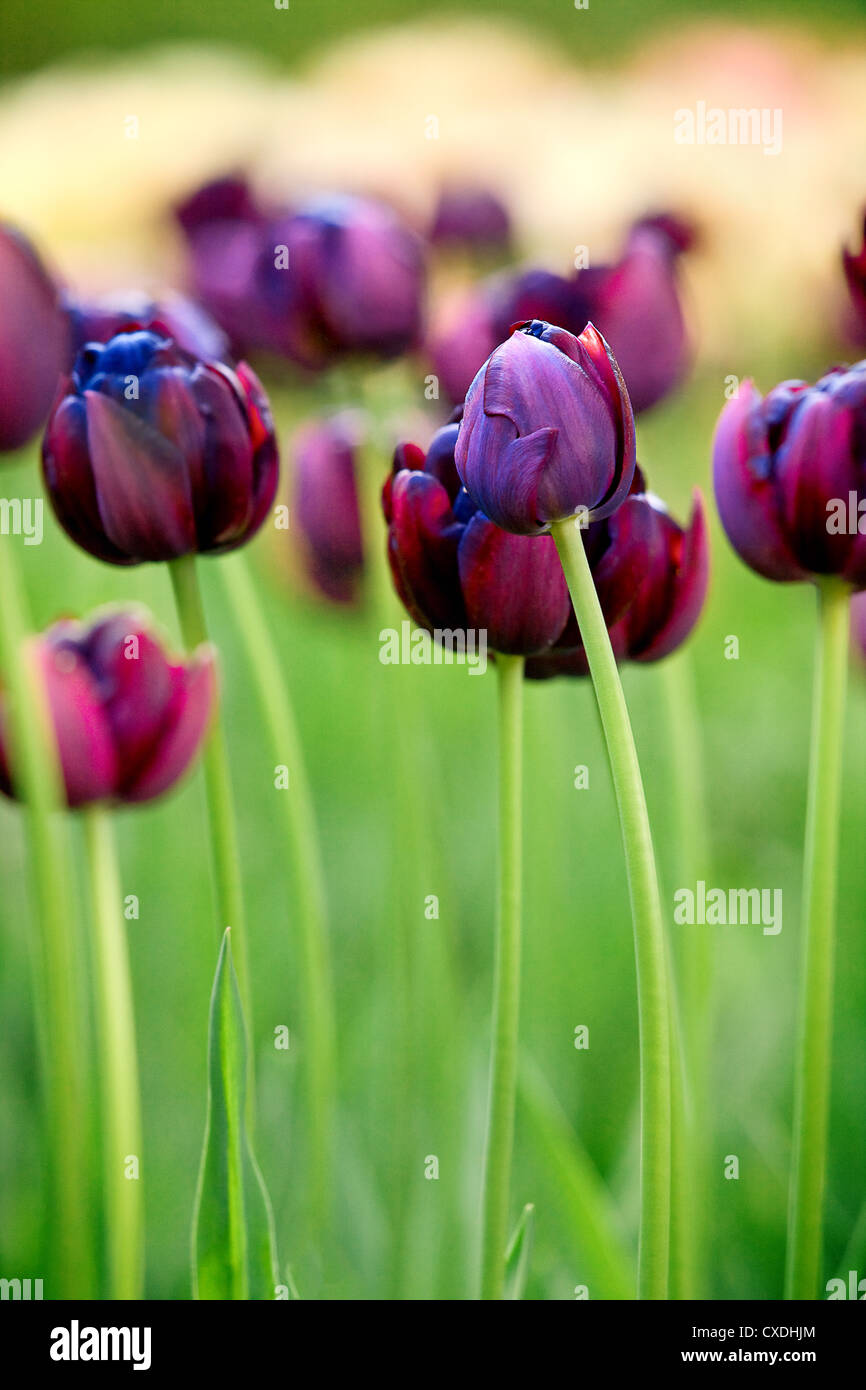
[[37, 779], [649, 940], [302, 842], [218, 784], [506, 986], [121, 1108], [812, 1077]]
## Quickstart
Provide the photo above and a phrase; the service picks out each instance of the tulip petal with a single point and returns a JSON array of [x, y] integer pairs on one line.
[[183, 731], [422, 548], [514, 587], [686, 592]]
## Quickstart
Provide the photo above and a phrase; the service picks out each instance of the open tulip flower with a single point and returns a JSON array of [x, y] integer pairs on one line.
[[34, 340], [547, 431], [453, 568], [151, 453], [128, 720], [651, 576]]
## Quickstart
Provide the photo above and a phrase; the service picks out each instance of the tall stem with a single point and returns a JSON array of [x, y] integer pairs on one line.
[[506, 988], [37, 780], [302, 842], [812, 1078], [223, 825], [121, 1108], [650, 952]]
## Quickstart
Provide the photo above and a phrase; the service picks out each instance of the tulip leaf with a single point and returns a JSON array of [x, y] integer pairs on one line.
[[233, 1244], [519, 1254]]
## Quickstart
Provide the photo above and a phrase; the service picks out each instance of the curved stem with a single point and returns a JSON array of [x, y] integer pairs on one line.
[[223, 825], [37, 780], [302, 841], [650, 951], [812, 1079], [506, 989], [121, 1109]]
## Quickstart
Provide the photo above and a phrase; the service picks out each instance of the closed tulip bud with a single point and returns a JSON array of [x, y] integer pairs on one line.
[[173, 315], [651, 576], [790, 477], [151, 453], [454, 569], [34, 340], [127, 720], [472, 218], [326, 504], [547, 431]]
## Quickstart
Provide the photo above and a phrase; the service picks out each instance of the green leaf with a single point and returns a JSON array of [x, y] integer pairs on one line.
[[602, 1260], [519, 1253], [233, 1245]]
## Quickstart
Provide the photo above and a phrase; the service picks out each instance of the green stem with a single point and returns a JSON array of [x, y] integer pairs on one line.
[[506, 989], [220, 800], [37, 779], [812, 1078], [650, 950], [302, 841], [121, 1110]]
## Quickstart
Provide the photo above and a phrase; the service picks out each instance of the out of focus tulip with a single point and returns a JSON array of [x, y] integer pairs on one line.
[[173, 314], [454, 569], [128, 720], [854, 265], [790, 477], [651, 577], [151, 454], [471, 218], [34, 340], [326, 504], [547, 431]]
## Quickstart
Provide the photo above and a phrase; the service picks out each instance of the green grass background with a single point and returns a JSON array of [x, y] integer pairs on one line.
[[411, 813]]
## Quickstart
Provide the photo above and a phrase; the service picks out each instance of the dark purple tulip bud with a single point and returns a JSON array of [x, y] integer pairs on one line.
[[854, 265], [151, 453], [173, 315], [547, 430], [651, 577], [473, 218], [790, 477], [454, 569], [34, 340], [127, 720], [326, 504]]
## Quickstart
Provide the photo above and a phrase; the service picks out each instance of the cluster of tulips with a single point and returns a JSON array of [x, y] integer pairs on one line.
[[527, 518]]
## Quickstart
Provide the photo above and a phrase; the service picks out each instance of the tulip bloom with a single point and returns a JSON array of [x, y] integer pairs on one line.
[[173, 315], [128, 720], [651, 576], [473, 218], [326, 504], [547, 431], [454, 569], [152, 454], [34, 340], [790, 477]]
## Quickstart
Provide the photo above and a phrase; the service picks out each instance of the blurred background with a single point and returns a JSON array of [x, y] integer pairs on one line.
[[569, 116]]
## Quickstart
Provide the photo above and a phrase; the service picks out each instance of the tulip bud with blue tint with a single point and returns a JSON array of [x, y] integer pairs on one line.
[[326, 504], [34, 340], [151, 453], [651, 576], [128, 721], [454, 569], [471, 218], [173, 314], [547, 431], [789, 472]]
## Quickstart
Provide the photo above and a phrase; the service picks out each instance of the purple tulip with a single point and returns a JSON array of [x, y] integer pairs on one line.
[[337, 276], [454, 569], [128, 721], [173, 315], [790, 477], [34, 340], [547, 431], [151, 453], [326, 504], [651, 577], [473, 218]]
